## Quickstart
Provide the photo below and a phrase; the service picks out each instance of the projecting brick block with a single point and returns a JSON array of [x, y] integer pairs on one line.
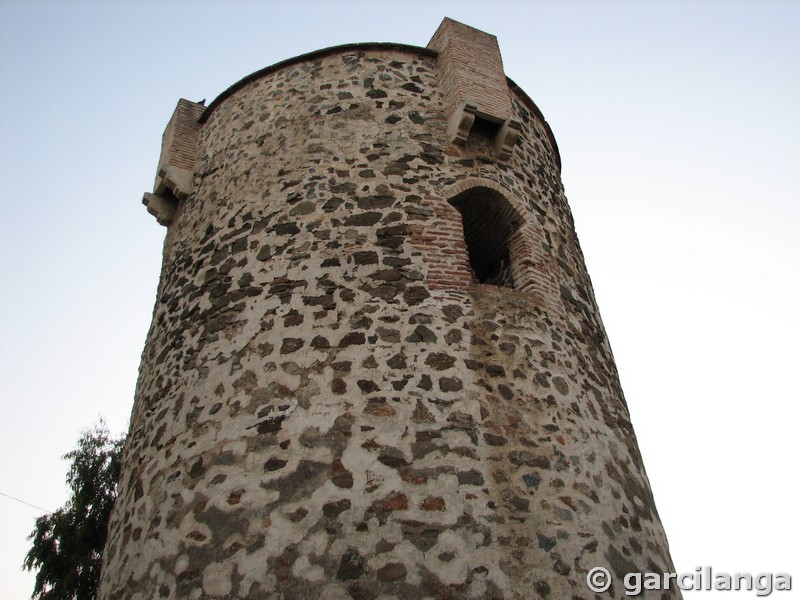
[[474, 84], [176, 164]]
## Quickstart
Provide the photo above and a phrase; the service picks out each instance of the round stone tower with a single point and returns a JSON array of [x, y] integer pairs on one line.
[[376, 368]]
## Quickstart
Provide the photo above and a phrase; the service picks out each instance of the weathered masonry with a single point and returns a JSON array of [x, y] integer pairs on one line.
[[376, 368]]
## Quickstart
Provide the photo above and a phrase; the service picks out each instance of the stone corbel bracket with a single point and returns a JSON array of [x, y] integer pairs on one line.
[[162, 207], [461, 122], [175, 175], [506, 138]]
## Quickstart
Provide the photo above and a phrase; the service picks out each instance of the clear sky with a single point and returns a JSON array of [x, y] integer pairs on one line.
[[679, 129]]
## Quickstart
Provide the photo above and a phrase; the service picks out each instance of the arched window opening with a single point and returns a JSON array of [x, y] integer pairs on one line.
[[489, 222]]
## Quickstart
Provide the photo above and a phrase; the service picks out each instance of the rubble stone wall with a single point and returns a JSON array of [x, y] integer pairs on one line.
[[330, 406]]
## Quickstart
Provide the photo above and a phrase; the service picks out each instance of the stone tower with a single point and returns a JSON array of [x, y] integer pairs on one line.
[[376, 368]]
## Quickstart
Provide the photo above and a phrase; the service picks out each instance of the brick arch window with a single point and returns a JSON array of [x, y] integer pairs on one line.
[[490, 223]]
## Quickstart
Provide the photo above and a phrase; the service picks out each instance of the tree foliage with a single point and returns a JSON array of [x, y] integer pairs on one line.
[[67, 545]]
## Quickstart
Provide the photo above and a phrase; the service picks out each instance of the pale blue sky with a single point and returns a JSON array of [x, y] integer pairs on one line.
[[680, 138]]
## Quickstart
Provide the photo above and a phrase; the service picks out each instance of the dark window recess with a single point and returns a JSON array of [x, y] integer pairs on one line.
[[489, 221], [486, 130]]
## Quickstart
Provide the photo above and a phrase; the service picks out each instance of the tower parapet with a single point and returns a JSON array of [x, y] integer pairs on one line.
[[376, 367]]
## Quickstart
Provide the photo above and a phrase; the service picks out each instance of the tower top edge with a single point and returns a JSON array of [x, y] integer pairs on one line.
[[331, 50], [448, 27]]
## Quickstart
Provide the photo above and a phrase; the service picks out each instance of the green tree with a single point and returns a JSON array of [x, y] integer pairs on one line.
[[67, 545]]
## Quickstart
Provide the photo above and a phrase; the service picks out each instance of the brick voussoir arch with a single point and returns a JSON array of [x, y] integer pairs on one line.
[[506, 229], [532, 270], [468, 183]]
